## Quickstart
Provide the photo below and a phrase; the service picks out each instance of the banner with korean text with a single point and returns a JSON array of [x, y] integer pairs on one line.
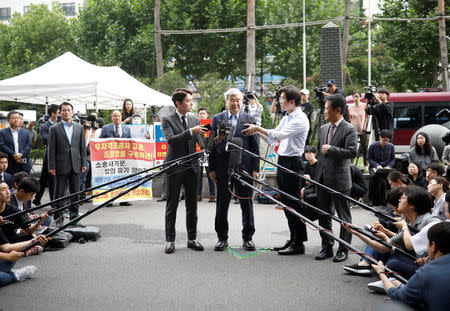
[[160, 144], [113, 158]]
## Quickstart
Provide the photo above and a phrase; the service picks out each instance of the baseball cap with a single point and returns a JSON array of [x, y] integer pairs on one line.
[[330, 81], [304, 91]]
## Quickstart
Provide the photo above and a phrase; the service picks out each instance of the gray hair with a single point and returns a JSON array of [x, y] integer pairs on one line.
[[233, 91]]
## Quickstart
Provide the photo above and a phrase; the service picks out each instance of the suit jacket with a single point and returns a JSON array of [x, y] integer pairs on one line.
[[7, 146], [108, 131], [7, 178], [334, 167], [180, 142], [219, 158], [43, 130], [63, 156]]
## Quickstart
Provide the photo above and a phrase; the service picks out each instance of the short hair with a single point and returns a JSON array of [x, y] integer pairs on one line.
[[11, 113], [441, 181], [384, 91], [439, 169], [397, 175], [310, 149], [232, 91], [115, 111], [386, 134], [3, 155], [440, 235], [202, 108], [393, 195], [52, 109], [17, 177], [357, 92], [179, 95], [337, 101], [100, 122], [29, 185], [420, 198], [65, 104], [292, 93]]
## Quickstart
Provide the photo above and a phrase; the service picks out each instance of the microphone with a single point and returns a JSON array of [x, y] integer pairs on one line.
[[230, 134], [235, 157]]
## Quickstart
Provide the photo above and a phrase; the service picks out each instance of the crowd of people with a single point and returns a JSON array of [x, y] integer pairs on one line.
[[418, 197]]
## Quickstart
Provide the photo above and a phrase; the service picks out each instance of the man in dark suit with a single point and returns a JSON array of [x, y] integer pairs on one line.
[[66, 157], [218, 167], [4, 176], [46, 178], [182, 130], [16, 142], [337, 145], [116, 128]]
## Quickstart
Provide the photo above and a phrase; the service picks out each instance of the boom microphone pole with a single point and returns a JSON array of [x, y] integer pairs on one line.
[[362, 231], [307, 220], [365, 206], [102, 185]]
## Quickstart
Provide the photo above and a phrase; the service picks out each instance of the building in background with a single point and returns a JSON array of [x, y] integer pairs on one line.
[[9, 7]]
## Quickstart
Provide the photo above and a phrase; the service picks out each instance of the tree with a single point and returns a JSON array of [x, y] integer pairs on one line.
[[169, 82], [211, 88]]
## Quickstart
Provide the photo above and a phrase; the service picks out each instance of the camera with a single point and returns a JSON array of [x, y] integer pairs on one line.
[[319, 95], [246, 124], [223, 128], [370, 94], [277, 98], [247, 97]]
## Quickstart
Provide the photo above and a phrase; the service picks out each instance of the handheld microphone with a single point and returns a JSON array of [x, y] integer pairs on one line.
[[235, 157]]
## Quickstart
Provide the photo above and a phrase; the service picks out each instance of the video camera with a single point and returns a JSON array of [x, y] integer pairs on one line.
[[245, 124], [223, 128], [277, 98], [370, 95], [247, 97], [319, 95]]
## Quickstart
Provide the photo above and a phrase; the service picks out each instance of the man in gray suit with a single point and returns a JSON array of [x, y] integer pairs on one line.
[[182, 130], [116, 128], [337, 145], [66, 157]]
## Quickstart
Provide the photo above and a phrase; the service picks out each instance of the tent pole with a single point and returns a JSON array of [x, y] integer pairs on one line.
[[145, 113], [46, 105]]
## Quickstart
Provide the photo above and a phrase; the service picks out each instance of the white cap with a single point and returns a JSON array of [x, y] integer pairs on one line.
[[304, 91], [232, 91]]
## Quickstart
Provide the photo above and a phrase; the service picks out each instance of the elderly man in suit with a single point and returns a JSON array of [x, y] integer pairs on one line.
[[116, 128], [182, 130], [66, 157], [218, 166], [16, 142], [337, 146]]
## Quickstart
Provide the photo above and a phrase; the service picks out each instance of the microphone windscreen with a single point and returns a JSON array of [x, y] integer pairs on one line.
[[235, 153]]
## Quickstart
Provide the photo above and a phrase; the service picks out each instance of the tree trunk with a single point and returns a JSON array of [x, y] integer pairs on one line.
[[158, 46], [251, 46], [346, 31], [443, 45]]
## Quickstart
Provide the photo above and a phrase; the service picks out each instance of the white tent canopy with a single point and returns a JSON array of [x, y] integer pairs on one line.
[[69, 78]]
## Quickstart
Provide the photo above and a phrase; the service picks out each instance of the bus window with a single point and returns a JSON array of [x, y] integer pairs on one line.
[[431, 111], [407, 116]]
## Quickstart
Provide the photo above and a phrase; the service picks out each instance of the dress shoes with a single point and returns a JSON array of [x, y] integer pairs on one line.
[[324, 254], [161, 199], [221, 245], [195, 245], [340, 256], [249, 245], [236, 201], [170, 247], [280, 248], [212, 198], [125, 204], [36, 202], [199, 198], [293, 250]]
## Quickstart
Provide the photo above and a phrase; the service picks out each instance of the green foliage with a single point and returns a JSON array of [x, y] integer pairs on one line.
[[169, 82], [211, 89]]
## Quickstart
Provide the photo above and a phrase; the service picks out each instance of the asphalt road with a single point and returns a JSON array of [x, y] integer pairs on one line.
[[126, 269]]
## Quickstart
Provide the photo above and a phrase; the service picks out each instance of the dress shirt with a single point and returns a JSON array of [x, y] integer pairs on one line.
[[19, 203], [69, 130], [291, 133], [15, 135], [233, 120], [181, 120], [2, 177]]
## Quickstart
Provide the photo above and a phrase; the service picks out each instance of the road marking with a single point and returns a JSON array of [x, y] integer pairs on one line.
[[234, 251]]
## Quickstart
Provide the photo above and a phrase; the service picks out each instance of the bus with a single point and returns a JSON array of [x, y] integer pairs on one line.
[[414, 110]]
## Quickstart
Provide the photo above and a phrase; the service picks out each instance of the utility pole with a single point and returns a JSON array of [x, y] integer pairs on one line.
[[158, 46], [251, 46], [346, 31], [443, 45]]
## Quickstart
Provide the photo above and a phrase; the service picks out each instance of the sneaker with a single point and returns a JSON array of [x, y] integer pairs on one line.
[[360, 270], [378, 286], [34, 251], [24, 273]]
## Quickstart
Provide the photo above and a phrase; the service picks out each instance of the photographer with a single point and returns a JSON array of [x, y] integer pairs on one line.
[[307, 108], [334, 90], [382, 110], [255, 109], [291, 133]]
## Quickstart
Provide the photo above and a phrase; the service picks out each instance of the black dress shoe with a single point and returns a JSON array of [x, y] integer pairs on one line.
[[125, 204], [340, 256], [280, 248], [221, 245], [160, 199], [195, 245], [324, 254], [249, 245], [109, 205], [236, 201], [36, 202], [170, 247], [293, 250]]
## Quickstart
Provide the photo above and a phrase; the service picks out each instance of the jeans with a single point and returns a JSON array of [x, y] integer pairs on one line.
[[6, 275]]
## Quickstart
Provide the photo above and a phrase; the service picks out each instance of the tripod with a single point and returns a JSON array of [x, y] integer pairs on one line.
[[320, 120]]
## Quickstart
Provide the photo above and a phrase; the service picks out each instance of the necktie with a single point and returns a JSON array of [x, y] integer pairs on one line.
[[117, 131], [331, 133], [183, 120], [233, 119]]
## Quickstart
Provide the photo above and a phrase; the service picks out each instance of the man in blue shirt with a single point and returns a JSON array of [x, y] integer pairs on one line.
[[429, 286], [381, 155]]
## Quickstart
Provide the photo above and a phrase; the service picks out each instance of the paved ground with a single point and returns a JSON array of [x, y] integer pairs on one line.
[[127, 269]]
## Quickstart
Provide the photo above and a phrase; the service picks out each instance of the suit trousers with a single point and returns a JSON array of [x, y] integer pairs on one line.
[[44, 179], [292, 185], [61, 181], [342, 207], [188, 178], [223, 204]]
